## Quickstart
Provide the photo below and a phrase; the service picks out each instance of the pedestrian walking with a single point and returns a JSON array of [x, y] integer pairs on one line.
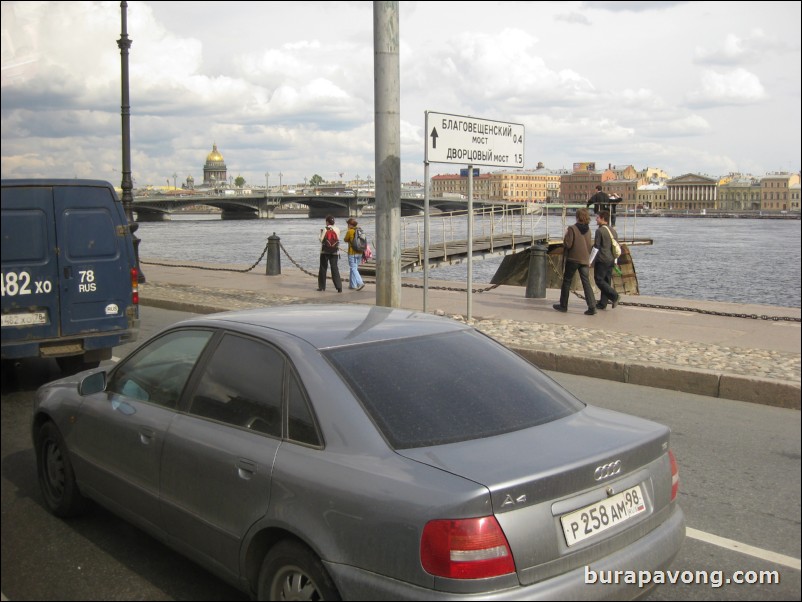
[[329, 255], [576, 257], [354, 257], [604, 261]]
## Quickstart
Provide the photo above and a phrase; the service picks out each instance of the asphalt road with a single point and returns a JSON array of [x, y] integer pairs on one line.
[[739, 480]]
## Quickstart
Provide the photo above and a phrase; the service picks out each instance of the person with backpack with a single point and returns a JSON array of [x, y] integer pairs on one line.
[[329, 255], [605, 256], [357, 241]]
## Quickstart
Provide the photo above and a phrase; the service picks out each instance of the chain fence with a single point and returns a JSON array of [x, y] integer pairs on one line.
[[490, 288]]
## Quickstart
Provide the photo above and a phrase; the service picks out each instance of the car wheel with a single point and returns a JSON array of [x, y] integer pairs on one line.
[[56, 477], [291, 571]]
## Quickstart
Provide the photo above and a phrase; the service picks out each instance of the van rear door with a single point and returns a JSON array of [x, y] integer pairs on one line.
[[30, 271], [93, 260]]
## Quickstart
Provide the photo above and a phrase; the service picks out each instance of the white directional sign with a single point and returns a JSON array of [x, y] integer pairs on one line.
[[473, 141]]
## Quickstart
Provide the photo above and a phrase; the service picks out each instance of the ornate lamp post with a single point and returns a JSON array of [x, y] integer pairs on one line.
[[127, 185]]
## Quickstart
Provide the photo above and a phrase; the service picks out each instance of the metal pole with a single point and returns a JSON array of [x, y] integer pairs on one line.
[[124, 43], [470, 241], [127, 184], [426, 191], [387, 108]]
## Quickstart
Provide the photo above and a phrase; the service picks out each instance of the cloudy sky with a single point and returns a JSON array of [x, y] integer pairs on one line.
[[703, 87]]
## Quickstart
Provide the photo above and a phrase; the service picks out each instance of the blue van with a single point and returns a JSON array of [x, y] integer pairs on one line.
[[69, 273]]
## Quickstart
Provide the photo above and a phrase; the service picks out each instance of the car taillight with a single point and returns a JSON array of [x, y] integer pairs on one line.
[[134, 286], [674, 475], [473, 548]]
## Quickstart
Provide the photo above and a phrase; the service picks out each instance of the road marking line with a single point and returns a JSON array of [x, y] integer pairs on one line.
[[743, 548]]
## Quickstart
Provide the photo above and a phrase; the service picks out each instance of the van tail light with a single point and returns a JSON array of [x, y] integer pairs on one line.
[[134, 286], [674, 475], [474, 548]]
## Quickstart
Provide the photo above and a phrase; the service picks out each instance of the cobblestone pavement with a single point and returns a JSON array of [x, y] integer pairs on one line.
[[554, 338]]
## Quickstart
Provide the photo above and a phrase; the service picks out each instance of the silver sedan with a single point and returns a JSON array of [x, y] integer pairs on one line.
[[327, 452]]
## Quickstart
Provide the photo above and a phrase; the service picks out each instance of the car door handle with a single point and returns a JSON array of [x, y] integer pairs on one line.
[[246, 469], [146, 436]]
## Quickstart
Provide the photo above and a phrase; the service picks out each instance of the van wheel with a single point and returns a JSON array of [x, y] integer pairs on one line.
[[72, 364], [56, 477], [291, 571]]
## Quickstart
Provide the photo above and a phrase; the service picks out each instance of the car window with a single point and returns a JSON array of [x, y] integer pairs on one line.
[[440, 389], [242, 385], [300, 423], [158, 372]]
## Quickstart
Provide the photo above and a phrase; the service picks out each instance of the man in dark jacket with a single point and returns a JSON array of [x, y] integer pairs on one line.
[[600, 200], [604, 260]]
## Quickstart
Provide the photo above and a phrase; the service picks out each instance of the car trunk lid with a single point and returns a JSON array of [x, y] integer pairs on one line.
[[554, 470]]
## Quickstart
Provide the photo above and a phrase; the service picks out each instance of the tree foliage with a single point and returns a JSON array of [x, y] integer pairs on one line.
[[239, 181], [316, 180]]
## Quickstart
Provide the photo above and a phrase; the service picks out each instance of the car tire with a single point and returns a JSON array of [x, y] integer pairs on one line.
[[291, 571], [56, 477]]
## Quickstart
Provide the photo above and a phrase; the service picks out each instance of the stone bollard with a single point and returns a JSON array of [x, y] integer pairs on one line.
[[273, 255], [537, 278]]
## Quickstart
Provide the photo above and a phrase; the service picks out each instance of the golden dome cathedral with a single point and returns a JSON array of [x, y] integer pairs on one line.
[[214, 170]]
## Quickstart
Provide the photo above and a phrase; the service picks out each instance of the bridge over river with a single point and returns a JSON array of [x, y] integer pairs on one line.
[[263, 206]]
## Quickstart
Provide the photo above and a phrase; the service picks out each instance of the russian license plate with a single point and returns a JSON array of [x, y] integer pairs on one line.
[[597, 518], [29, 319]]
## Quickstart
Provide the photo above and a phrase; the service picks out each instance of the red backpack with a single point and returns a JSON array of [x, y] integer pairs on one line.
[[331, 242]]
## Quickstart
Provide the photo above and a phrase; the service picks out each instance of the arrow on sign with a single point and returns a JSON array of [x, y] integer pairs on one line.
[[434, 137]]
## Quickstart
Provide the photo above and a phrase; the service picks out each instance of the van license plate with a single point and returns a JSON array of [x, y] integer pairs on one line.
[[30, 319], [596, 518]]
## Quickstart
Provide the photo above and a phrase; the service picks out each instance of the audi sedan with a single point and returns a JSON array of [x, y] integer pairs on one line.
[[325, 452]]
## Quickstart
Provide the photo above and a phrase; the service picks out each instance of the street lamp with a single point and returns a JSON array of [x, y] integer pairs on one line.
[[175, 175], [280, 175], [267, 182], [127, 185]]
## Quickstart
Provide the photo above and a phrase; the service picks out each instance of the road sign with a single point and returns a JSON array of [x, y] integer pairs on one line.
[[473, 141]]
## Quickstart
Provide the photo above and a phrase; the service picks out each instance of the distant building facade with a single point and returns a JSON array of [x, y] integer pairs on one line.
[[737, 192], [513, 186], [692, 192], [775, 191], [579, 186], [652, 196]]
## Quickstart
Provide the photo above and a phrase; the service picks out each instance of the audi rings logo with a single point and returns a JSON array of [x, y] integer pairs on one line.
[[606, 471]]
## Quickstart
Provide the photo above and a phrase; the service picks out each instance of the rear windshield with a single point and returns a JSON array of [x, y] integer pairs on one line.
[[451, 387]]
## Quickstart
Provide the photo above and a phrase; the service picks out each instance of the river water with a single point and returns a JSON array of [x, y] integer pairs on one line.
[[717, 259]]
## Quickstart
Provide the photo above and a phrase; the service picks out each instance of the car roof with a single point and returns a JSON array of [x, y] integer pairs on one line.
[[334, 325], [54, 182]]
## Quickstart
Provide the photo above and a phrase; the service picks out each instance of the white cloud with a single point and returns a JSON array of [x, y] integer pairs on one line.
[[736, 87], [289, 86]]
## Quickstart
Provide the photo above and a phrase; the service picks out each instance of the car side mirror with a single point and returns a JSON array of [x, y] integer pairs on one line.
[[94, 383]]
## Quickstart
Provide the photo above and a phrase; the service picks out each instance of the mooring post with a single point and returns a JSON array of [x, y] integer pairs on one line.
[[273, 255], [536, 280]]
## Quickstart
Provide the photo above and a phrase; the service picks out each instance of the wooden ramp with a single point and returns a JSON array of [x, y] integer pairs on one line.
[[456, 251]]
